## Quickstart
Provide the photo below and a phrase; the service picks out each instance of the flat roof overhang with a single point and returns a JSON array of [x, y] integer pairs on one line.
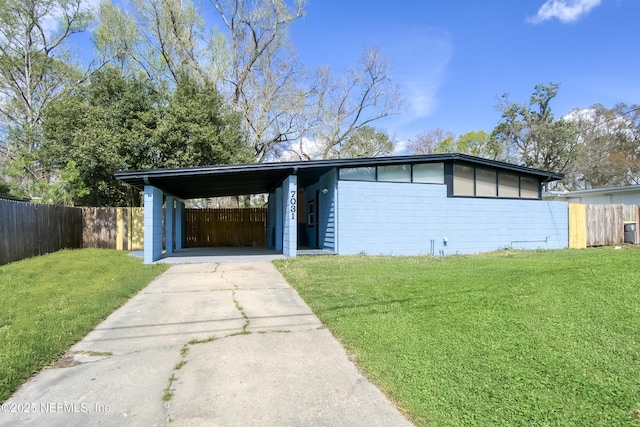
[[257, 178]]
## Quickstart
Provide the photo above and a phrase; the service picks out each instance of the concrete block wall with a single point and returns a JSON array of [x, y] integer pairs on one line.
[[419, 219]]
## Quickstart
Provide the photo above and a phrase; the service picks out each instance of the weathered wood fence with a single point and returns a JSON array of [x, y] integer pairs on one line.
[[28, 230], [226, 227], [113, 228], [600, 225]]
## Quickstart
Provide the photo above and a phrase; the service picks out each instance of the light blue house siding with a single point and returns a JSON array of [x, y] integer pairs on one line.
[[153, 217], [290, 216], [417, 219]]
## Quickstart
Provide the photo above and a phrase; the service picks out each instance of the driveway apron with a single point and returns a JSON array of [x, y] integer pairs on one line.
[[213, 344]]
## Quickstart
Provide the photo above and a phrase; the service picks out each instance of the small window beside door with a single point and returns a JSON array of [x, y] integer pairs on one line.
[[311, 213]]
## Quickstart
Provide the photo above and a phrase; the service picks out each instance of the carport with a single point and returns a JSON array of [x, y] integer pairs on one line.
[[172, 187]]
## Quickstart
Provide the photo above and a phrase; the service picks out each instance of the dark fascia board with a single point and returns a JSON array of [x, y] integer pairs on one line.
[[293, 167]]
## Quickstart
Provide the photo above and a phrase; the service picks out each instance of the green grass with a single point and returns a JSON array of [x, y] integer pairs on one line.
[[544, 338], [49, 302]]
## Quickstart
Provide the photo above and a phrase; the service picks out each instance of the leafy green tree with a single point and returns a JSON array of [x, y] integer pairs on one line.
[[197, 128], [475, 143], [530, 135], [4, 188], [101, 127], [35, 68], [114, 123]]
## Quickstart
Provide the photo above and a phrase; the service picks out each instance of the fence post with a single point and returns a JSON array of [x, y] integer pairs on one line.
[[577, 226], [152, 224]]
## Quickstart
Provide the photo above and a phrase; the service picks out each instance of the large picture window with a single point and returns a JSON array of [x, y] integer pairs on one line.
[[508, 185], [463, 180], [486, 185], [529, 188]]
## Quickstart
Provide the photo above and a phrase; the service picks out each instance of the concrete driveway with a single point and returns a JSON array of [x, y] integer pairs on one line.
[[208, 344]]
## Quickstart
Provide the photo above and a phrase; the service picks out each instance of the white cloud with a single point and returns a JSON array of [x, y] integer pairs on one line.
[[421, 58], [564, 10]]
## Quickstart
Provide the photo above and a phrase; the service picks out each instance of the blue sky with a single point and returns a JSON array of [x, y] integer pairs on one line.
[[453, 58]]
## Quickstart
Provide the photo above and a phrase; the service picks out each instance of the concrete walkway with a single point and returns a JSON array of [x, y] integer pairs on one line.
[[212, 344]]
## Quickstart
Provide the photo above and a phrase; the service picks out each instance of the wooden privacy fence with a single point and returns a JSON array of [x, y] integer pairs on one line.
[[113, 228], [600, 225], [28, 230], [226, 227]]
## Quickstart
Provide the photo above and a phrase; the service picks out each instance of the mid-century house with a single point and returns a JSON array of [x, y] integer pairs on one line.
[[404, 205], [625, 195]]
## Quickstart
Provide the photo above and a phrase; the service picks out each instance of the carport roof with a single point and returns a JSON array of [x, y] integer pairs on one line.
[[257, 178]]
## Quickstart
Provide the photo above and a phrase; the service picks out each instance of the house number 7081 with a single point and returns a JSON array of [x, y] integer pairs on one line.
[[292, 204]]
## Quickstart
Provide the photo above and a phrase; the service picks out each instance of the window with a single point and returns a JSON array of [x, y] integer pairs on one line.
[[396, 173], [463, 180], [358, 174], [429, 173], [508, 185], [529, 188], [486, 183], [311, 214]]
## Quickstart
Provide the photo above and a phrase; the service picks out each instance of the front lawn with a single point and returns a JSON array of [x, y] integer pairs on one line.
[[48, 303], [504, 339]]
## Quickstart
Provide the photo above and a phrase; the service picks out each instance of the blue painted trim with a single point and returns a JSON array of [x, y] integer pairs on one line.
[[152, 224], [290, 216]]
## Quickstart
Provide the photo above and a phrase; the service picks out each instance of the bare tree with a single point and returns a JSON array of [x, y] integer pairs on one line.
[[263, 79], [427, 142], [344, 105]]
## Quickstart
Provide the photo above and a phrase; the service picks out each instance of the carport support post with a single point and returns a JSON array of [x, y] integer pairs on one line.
[[152, 224], [290, 212], [179, 224], [170, 221]]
